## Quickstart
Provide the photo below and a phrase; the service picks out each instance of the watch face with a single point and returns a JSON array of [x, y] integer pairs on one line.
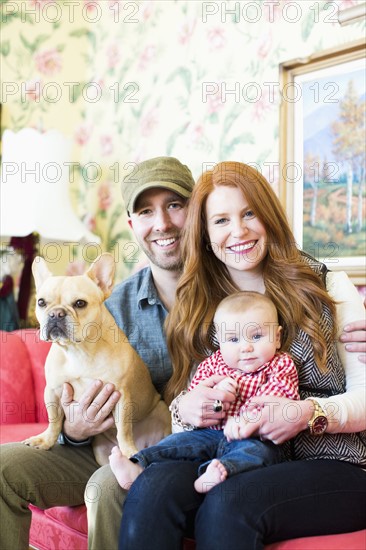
[[319, 425]]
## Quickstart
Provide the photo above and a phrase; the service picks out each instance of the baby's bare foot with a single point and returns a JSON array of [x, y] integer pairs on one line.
[[125, 471], [216, 473]]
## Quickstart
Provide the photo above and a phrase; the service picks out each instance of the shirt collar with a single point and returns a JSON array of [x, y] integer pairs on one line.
[[147, 293]]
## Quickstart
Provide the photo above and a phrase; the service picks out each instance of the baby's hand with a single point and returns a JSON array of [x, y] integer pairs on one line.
[[232, 428], [227, 384]]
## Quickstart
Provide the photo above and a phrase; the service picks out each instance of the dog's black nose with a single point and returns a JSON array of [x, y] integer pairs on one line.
[[57, 314]]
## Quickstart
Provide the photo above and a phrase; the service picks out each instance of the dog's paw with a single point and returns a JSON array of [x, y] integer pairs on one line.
[[38, 442]]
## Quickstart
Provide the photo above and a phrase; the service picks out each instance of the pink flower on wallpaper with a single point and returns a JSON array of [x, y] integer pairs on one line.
[[90, 222], [32, 90], [91, 8], [104, 196], [264, 45], [216, 38], [186, 30], [113, 55], [99, 81], [147, 56], [195, 133], [262, 106], [48, 62], [149, 122], [214, 103], [77, 267], [106, 145], [83, 133], [146, 9]]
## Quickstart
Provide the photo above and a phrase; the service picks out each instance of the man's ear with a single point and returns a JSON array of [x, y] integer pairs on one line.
[[129, 221], [278, 337], [40, 271], [102, 273]]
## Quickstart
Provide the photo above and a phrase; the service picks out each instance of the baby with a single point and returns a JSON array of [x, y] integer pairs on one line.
[[249, 337]]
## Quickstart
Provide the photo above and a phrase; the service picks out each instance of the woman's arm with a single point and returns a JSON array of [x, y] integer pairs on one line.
[[347, 412]]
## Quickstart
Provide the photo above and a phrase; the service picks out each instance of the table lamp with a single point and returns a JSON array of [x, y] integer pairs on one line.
[[34, 197]]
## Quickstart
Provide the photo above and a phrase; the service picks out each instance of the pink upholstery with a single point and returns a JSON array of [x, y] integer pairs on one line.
[[346, 541], [17, 390], [22, 381], [22, 358], [59, 528]]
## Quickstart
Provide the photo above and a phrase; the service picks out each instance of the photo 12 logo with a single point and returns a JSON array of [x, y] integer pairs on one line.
[[52, 92], [252, 12], [70, 10]]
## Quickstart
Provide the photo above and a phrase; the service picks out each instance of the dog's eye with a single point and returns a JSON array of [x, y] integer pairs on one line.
[[80, 304], [41, 302]]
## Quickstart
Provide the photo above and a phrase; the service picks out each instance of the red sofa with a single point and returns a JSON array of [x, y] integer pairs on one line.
[[23, 413]]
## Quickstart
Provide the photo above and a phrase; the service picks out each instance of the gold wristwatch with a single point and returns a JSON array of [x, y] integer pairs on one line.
[[318, 423]]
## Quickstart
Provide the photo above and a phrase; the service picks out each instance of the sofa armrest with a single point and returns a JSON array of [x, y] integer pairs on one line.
[[37, 352], [16, 381]]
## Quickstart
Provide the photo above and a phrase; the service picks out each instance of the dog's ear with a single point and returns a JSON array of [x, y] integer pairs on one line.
[[102, 273], [40, 271]]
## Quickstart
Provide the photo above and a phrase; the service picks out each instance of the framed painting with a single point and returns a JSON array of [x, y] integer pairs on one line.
[[322, 157]]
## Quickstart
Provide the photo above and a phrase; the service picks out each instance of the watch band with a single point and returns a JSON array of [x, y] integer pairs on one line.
[[318, 422], [64, 440]]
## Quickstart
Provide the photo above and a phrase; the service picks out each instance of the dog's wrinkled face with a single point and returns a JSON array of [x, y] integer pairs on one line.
[[68, 309]]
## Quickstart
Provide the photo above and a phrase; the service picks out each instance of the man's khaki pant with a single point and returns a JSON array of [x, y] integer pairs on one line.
[[58, 477]]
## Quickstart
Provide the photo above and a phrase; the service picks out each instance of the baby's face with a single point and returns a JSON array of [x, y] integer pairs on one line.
[[248, 340]]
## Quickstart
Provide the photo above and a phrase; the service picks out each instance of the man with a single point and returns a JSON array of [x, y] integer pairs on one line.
[[155, 197]]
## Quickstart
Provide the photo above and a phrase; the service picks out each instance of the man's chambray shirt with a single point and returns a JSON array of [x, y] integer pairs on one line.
[[138, 311]]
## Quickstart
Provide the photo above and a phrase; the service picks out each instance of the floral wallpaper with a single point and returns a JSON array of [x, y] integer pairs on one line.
[[129, 80]]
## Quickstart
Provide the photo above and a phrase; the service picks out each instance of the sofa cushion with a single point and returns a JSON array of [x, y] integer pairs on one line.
[[16, 379], [351, 541], [17, 432]]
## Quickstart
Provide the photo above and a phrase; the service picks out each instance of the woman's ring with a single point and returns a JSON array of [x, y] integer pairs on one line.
[[217, 406]]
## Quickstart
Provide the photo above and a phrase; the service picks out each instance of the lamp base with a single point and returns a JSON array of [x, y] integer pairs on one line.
[[27, 247]]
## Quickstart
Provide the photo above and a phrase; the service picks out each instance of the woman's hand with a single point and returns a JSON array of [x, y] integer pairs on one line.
[[197, 406], [90, 415], [276, 419], [354, 336]]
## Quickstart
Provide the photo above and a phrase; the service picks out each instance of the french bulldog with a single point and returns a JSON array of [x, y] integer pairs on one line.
[[87, 345]]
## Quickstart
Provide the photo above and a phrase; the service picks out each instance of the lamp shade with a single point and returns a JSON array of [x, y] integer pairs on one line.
[[34, 185]]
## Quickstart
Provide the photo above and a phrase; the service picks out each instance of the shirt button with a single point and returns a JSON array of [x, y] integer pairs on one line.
[[152, 301]]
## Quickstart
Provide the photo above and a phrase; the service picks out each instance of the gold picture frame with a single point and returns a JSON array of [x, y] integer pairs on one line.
[[322, 155]]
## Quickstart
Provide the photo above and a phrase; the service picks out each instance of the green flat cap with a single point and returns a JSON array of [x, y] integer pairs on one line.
[[164, 172]]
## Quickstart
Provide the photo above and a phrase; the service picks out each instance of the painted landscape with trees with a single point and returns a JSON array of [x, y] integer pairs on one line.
[[334, 166]]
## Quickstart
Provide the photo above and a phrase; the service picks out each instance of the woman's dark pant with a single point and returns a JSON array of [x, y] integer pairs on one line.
[[248, 510]]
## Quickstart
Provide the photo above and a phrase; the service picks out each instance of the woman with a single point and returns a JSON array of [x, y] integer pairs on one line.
[[248, 245]]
